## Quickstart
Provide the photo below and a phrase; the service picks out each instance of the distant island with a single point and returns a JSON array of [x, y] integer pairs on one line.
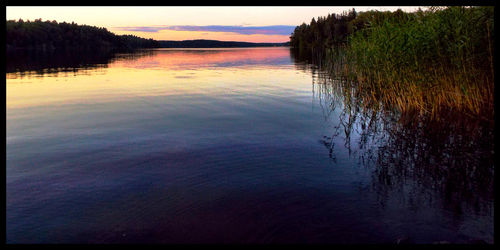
[[201, 43], [41, 35]]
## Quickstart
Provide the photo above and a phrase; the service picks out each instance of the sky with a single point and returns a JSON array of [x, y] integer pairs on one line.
[[248, 24]]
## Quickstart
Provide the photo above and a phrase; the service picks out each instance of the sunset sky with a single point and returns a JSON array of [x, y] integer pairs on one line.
[[249, 24]]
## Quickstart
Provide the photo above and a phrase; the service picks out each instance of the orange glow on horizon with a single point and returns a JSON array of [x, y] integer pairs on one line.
[[182, 59], [174, 35]]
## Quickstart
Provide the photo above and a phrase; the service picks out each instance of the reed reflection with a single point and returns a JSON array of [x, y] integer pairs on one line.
[[443, 161]]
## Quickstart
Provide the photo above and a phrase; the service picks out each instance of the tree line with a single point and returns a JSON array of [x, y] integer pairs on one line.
[[325, 32], [50, 35]]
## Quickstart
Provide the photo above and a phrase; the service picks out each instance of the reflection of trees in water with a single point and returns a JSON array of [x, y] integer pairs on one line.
[[38, 63], [446, 161]]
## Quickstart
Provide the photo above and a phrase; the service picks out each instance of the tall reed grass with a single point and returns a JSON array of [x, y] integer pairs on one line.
[[442, 58]]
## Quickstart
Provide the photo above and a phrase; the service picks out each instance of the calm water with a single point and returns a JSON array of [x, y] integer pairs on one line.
[[227, 146]]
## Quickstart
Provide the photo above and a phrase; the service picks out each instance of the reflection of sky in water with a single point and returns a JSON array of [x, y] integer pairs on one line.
[[208, 145], [176, 59], [179, 71]]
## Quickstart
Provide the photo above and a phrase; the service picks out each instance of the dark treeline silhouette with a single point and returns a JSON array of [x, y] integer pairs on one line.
[[326, 32], [201, 43], [50, 35]]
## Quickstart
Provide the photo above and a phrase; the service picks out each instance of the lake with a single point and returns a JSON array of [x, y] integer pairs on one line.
[[232, 145]]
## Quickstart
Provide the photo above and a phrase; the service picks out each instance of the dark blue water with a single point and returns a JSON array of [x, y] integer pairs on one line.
[[226, 146]]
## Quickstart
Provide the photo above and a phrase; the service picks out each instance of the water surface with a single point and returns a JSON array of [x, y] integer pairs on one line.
[[239, 145]]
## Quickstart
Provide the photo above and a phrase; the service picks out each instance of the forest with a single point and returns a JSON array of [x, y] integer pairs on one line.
[[427, 60], [49, 35]]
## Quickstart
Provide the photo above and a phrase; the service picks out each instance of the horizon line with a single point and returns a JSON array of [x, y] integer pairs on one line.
[[216, 41]]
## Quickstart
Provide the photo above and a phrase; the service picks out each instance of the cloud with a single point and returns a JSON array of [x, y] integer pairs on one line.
[[143, 29], [245, 30]]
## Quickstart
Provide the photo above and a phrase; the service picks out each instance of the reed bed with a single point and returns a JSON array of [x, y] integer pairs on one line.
[[425, 61], [438, 59]]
